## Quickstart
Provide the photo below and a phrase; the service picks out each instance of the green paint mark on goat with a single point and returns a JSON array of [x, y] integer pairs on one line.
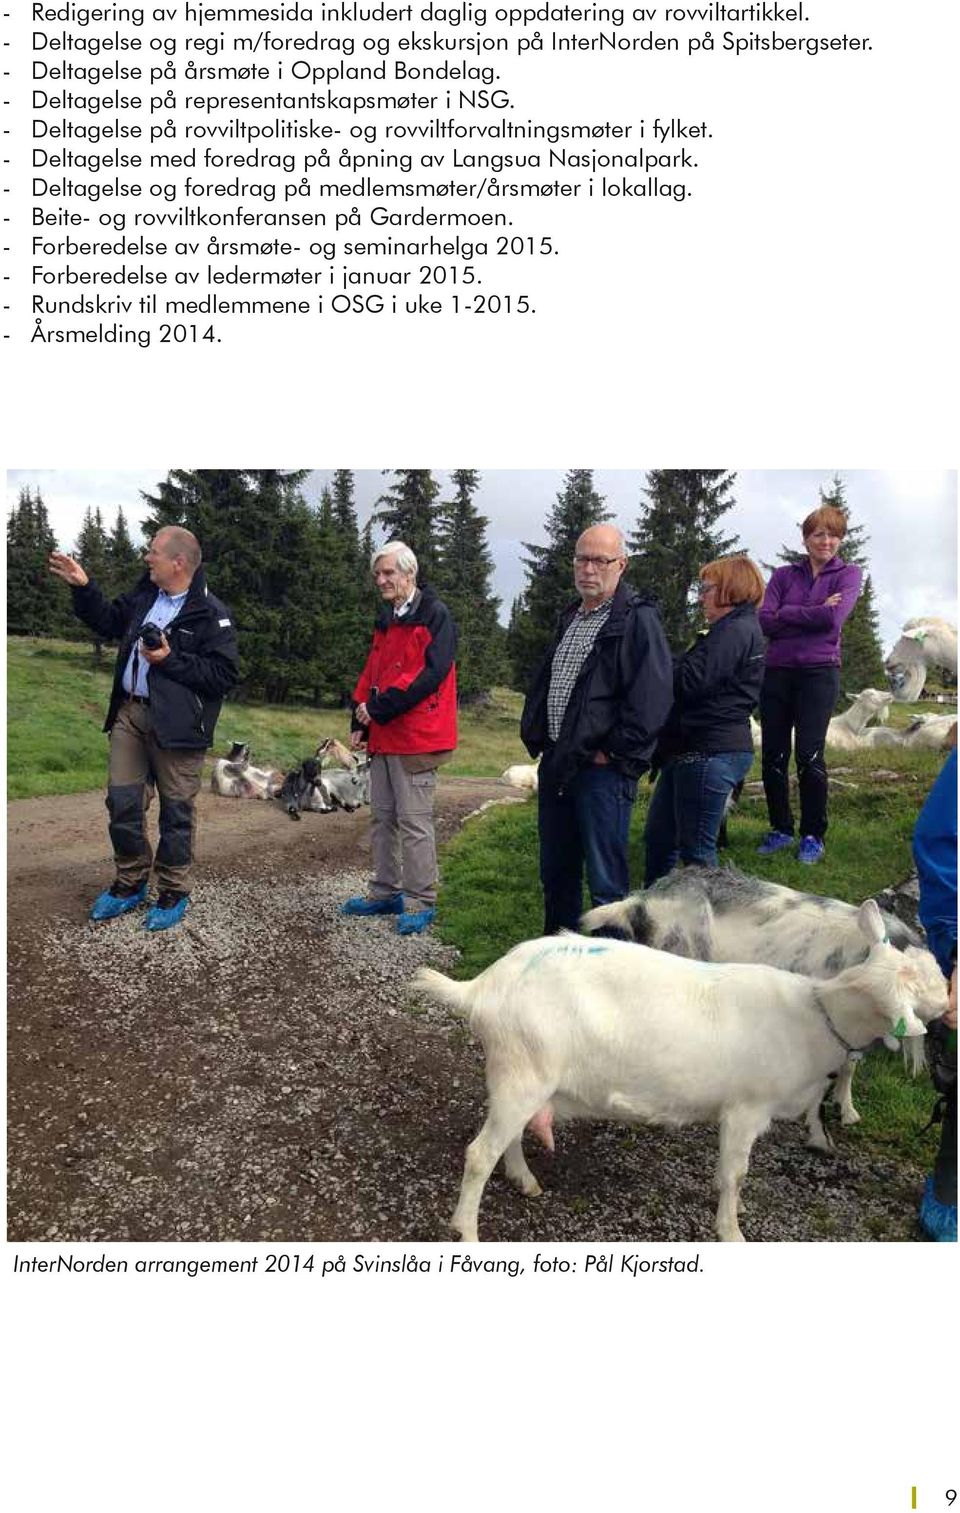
[[563, 948]]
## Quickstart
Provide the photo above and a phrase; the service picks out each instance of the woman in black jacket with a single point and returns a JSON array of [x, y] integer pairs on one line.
[[706, 747]]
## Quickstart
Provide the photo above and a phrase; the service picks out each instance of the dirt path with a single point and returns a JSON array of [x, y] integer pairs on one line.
[[58, 851], [259, 1074]]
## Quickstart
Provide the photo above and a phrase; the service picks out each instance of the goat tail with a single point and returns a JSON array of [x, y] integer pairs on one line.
[[456, 995]]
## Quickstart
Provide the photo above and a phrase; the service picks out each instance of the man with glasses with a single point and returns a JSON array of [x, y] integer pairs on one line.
[[177, 658], [593, 711]]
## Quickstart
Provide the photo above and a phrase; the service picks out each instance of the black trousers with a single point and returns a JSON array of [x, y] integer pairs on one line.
[[945, 1166], [797, 701]]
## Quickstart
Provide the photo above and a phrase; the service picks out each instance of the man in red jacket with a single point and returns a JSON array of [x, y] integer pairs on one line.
[[405, 715]]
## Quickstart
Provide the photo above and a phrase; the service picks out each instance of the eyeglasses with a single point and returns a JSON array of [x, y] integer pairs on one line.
[[824, 536], [706, 588], [598, 562]]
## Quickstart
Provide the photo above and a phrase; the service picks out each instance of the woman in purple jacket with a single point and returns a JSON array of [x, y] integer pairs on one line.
[[802, 613]]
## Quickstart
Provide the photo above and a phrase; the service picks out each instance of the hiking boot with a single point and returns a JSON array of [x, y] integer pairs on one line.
[[811, 850], [415, 924], [937, 1220], [118, 899], [168, 910], [777, 840], [364, 906]]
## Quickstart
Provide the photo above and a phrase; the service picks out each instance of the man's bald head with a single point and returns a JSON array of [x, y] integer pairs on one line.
[[175, 541], [599, 562], [172, 558]]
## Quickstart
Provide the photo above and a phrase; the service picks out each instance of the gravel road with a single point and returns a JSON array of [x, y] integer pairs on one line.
[[260, 1074]]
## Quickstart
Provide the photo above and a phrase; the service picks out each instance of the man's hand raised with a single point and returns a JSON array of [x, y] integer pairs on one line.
[[66, 568]]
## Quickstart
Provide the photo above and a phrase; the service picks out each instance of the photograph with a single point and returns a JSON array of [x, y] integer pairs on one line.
[[407, 856]]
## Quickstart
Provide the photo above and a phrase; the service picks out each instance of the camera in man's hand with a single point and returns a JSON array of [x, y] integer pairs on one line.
[[152, 636]]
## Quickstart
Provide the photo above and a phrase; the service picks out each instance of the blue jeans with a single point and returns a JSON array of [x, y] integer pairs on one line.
[[684, 817], [587, 823]]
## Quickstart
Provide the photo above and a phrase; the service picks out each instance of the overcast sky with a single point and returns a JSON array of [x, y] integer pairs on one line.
[[911, 518]]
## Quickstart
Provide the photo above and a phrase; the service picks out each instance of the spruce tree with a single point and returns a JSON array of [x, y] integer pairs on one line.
[[92, 551], [675, 537], [92, 548], [259, 546], [351, 623], [370, 600], [861, 650], [35, 602], [406, 513], [549, 569], [464, 572], [125, 562]]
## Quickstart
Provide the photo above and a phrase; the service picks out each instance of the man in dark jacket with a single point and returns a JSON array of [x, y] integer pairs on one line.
[[177, 659], [593, 712]]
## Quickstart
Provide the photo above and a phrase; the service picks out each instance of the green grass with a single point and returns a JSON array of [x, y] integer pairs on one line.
[[491, 900], [57, 695], [491, 896]]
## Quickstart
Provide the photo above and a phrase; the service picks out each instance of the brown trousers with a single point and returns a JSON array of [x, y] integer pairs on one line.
[[136, 764], [401, 832]]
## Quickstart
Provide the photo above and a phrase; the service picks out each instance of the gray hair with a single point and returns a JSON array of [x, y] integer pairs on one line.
[[406, 560]]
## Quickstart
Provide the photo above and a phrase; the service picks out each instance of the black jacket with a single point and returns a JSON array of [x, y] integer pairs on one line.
[[187, 687], [716, 686], [619, 701]]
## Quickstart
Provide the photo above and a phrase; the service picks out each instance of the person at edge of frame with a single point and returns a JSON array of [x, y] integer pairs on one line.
[[935, 853]]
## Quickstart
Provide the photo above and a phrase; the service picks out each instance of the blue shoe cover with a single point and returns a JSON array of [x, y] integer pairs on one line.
[[360, 905], [938, 1220], [108, 906], [159, 918], [415, 924]]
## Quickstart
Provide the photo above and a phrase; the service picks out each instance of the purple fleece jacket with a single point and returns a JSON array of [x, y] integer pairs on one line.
[[801, 629]]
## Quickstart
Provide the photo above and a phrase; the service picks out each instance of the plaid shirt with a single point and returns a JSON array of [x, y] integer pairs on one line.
[[568, 660]]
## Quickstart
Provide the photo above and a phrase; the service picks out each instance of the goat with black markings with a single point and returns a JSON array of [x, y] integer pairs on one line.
[[720, 914]]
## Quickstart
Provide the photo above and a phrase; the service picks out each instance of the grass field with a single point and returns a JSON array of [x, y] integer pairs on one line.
[[57, 697]]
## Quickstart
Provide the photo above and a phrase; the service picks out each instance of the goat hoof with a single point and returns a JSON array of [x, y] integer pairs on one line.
[[851, 1117], [529, 1187]]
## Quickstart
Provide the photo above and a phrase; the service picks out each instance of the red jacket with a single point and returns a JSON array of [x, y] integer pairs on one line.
[[409, 683]]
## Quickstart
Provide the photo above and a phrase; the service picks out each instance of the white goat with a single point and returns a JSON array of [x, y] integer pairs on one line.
[[880, 735], [928, 732], [931, 732], [521, 776], [720, 914], [846, 730], [923, 643], [234, 777], [609, 1030]]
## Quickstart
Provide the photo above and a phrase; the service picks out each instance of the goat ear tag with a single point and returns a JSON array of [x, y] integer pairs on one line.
[[900, 1028]]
